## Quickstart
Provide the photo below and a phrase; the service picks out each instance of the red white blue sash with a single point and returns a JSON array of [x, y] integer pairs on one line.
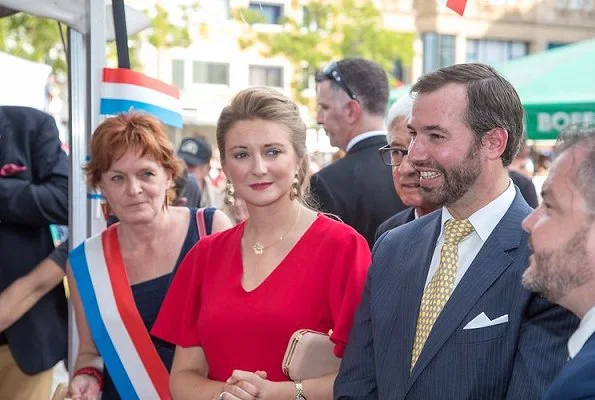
[[115, 323]]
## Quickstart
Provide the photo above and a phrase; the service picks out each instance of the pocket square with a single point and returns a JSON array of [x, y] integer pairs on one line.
[[11, 169], [483, 321]]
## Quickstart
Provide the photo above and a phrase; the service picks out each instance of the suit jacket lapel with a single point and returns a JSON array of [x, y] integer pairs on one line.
[[411, 271], [491, 261], [407, 216]]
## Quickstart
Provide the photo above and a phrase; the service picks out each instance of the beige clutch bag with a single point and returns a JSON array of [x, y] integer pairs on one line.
[[309, 354]]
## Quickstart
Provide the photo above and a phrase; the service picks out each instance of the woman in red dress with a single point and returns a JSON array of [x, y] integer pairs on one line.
[[240, 294]]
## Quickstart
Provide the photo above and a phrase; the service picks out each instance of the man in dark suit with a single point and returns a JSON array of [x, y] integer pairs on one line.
[[562, 267], [352, 95], [443, 313], [526, 187], [33, 195]]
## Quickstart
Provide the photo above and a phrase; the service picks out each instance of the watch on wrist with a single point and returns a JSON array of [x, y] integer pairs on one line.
[[299, 391]]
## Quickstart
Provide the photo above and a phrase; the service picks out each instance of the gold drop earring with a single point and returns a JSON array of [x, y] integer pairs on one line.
[[294, 193], [230, 198]]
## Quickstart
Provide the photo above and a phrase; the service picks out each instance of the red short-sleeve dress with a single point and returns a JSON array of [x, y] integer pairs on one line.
[[317, 286]]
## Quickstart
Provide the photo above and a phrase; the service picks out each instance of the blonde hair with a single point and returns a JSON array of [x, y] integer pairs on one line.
[[269, 105]]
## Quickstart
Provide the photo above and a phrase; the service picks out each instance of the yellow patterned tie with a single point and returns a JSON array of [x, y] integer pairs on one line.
[[440, 287]]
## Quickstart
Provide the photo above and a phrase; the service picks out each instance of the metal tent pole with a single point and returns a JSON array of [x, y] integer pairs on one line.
[[86, 58]]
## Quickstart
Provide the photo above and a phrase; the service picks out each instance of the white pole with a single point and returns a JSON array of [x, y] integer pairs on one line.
[[77, 202], [86, 59]]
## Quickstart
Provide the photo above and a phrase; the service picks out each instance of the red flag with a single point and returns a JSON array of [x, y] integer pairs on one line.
[[457, 6]]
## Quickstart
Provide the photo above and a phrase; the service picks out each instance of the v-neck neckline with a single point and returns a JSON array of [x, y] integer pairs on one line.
[[279, 266]]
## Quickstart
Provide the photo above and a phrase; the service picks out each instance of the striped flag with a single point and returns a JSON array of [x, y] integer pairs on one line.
[[457, 6], [123, 89], [116, 326]]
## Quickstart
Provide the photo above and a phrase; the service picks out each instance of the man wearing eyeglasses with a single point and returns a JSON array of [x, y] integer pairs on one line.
[[352, 96], [405, 176]]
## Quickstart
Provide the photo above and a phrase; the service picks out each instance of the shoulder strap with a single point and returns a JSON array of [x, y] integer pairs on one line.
[[204, 221], [200, 223]]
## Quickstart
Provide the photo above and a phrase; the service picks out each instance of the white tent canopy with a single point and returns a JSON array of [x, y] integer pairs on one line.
[[73, 14], [23, 82]]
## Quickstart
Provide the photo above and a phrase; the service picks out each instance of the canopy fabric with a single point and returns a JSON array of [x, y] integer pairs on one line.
[[74, 14], [556, 87]]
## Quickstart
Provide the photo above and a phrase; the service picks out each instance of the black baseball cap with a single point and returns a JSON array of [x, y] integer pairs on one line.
[[195, 151]]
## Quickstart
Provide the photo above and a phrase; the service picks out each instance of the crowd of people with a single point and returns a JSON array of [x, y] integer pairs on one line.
[[422, 254]]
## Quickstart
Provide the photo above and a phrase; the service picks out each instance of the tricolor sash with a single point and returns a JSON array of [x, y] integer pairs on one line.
[[114, 321]]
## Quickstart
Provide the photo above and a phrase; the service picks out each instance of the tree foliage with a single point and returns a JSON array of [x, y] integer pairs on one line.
[[33, 38], [327, 31], [38, 39]]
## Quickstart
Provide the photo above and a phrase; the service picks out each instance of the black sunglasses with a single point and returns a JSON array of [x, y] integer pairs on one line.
[[331, 71], [392, 156]]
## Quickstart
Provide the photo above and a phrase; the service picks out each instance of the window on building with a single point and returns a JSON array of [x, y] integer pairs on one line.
[[261, 75], [309, 19], [308, 74], [210, 72], [439, 51], [575, 4], [492, 52], [177, 73], [272, 13]]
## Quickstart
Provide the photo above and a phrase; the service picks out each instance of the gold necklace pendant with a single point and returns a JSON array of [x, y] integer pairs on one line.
[[258, 248]]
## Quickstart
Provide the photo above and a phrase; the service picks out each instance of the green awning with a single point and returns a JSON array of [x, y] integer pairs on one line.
[[556, 87]]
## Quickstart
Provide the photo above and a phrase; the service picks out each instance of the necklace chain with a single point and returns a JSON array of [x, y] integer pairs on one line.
[[259, 248]]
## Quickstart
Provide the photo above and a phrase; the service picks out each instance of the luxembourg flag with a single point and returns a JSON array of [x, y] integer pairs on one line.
[[123, 89], [457, 6], [116, 326]]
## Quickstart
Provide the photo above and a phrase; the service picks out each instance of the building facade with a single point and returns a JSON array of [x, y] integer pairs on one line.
[[215, 66]]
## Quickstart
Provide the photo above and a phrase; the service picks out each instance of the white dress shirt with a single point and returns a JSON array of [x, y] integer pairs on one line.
[[582, 334], [484, 221], [363, 136]]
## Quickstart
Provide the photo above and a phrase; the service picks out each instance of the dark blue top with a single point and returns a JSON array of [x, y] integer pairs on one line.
[[148, 297]]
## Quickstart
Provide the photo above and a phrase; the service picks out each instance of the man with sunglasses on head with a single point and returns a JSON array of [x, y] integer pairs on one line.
[[352, 95]]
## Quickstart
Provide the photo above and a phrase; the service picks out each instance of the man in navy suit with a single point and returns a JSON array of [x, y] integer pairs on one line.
[[562, 267], [33, 195], [444, 314], [406, 178], [352, 95]]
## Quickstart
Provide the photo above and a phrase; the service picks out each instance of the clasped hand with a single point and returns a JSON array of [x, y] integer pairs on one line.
[[244, 385]]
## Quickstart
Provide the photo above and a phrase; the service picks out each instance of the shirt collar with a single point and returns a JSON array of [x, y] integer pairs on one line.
[[483, 220], [582, 334], [361, 137]]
